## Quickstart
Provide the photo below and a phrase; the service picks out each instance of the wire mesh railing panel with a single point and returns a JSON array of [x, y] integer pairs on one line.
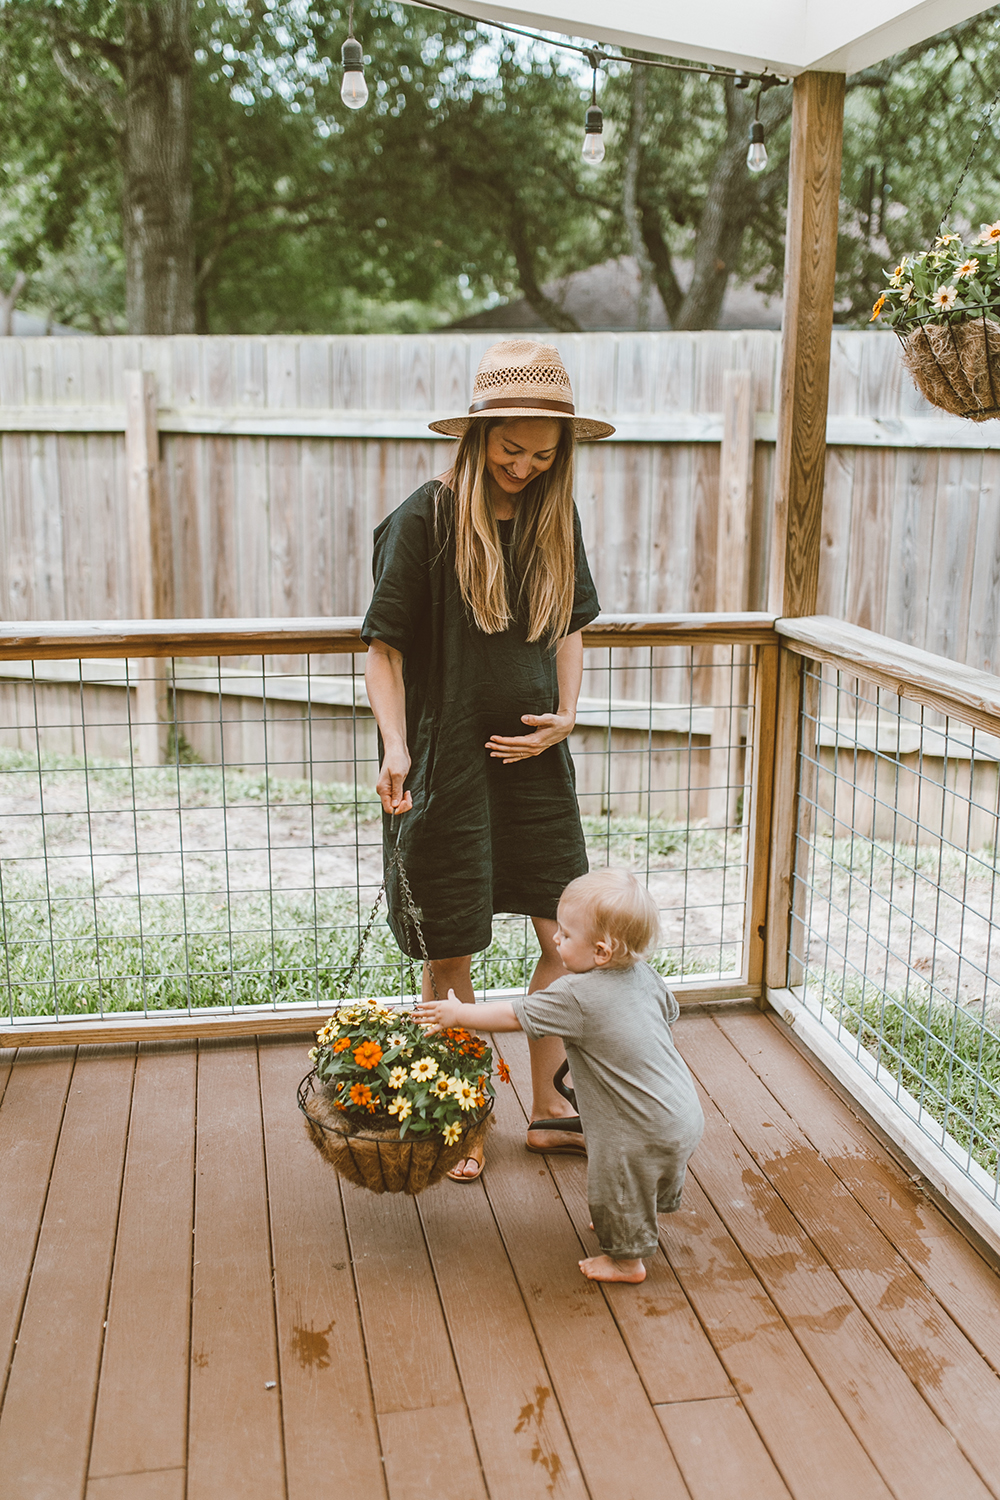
[[895, 931], [198, 835]]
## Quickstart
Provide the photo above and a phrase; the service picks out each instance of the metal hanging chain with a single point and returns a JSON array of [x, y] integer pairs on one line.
[[986, 120], [411, 913]]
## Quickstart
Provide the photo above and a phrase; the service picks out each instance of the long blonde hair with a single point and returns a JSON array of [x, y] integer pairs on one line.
[[543, 539]]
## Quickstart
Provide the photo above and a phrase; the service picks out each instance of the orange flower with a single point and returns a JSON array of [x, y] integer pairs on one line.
[[368, 1055], [342, 1044], [361, 1095], [877, 309], [503, 1072]]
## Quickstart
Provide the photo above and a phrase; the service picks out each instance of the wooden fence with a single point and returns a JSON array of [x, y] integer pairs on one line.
[[268, 461]]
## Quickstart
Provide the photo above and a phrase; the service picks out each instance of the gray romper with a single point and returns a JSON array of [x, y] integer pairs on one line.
[[638, 1104]]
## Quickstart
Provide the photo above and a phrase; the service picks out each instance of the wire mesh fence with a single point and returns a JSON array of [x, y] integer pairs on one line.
[[181, 835], [895, 932]]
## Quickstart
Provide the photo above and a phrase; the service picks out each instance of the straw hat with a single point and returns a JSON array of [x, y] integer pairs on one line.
[[519, 378]]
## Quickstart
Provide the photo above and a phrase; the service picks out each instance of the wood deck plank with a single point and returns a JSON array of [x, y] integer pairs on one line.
[[719, 1450], [149, 1309], [667, 1344], [30, 1120], [524, 1448], [235, 1442], [811, 1444], [59, 1345], [409, 1353], [957, 1384], [619, 1443], [938, 1252], [912, 1450], [158, 1484], [331, 1434]]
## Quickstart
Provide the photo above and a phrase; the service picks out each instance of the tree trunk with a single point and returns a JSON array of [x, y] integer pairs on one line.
[[8, 302], [157, 158], [630, 208], [549, 311]]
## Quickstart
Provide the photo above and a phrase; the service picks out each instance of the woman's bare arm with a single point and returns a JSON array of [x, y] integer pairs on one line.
[[551, 728], [387, 696]]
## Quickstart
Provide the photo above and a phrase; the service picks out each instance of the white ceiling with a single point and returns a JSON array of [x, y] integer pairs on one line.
[[788, 36]]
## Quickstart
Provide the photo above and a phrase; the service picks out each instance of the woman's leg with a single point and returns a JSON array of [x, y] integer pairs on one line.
[[548, 1053], [454, 974]]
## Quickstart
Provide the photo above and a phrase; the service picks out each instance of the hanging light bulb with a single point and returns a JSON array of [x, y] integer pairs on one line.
[[353, 90], [593, 140], [757, 154]]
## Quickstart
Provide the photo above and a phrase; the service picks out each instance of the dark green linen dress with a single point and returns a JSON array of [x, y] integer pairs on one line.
[[483, 837]]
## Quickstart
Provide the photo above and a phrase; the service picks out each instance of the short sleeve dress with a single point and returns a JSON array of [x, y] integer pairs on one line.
[[483, 837]]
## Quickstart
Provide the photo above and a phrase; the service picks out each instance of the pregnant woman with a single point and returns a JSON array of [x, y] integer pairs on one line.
[[474, 665]]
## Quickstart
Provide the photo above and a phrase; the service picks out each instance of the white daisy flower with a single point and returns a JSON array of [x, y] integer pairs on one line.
[[945, 297]]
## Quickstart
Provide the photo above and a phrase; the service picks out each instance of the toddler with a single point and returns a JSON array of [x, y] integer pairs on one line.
[[640, 1112]]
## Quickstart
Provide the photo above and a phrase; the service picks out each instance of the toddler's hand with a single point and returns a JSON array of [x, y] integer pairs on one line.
[[436, 1015]]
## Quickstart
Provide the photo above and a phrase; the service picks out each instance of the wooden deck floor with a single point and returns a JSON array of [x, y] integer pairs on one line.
[[191, 1307]]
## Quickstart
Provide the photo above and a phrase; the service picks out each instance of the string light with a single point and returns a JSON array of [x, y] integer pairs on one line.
[[353, 89], [593, 140]]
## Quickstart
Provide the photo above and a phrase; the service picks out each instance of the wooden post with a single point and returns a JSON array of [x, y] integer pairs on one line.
[[732, 576], [810, 263], [800, 452], [147, 554]]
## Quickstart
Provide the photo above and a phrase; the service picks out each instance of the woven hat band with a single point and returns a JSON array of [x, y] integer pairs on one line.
[[498, 403]]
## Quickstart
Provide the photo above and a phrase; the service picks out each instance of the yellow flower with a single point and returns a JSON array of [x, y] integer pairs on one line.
[[397, 1078], [877, 309], [945, 297], [441, 1086], [466, 1095], [423, 1068], [896, 279], [990, 234], [451, 1133], [968, 269], [946, 239], [401, 1107]]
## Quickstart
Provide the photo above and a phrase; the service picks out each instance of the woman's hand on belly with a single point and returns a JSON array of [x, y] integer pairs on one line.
[[550, 730]]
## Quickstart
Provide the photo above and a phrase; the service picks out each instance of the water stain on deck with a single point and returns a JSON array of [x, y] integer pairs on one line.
[[311, 1346], [532, 1414]]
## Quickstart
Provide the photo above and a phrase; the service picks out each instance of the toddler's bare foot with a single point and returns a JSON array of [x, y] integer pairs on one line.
[[603, 1268]]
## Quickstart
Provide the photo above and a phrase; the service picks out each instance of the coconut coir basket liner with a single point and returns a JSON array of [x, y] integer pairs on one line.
[[957, 366], [373, 1156]]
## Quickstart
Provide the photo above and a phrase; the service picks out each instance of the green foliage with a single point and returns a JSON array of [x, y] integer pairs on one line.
[[945, 1057], [950, 283]]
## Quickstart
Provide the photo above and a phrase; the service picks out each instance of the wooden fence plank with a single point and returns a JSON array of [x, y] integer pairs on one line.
[[60, 1335], [235, 1442]]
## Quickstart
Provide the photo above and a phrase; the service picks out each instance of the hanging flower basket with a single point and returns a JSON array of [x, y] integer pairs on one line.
[[390, 1107], [944, 306]]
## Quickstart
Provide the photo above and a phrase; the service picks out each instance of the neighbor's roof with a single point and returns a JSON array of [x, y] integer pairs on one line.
[[788, 36]]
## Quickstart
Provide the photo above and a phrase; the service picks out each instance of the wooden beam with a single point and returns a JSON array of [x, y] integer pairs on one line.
[[149, 556], [54, 640], [810, 264]]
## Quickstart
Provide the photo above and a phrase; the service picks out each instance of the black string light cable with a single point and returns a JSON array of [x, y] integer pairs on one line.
[[355, 93]]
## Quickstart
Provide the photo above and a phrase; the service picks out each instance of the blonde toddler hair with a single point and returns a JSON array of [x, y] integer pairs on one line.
[[617, 909]]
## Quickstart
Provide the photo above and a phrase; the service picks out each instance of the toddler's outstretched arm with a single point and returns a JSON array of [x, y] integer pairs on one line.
[[435, 1015]]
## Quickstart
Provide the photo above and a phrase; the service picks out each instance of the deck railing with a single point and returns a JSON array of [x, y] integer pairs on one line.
[[894, 923], [190, 840]]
